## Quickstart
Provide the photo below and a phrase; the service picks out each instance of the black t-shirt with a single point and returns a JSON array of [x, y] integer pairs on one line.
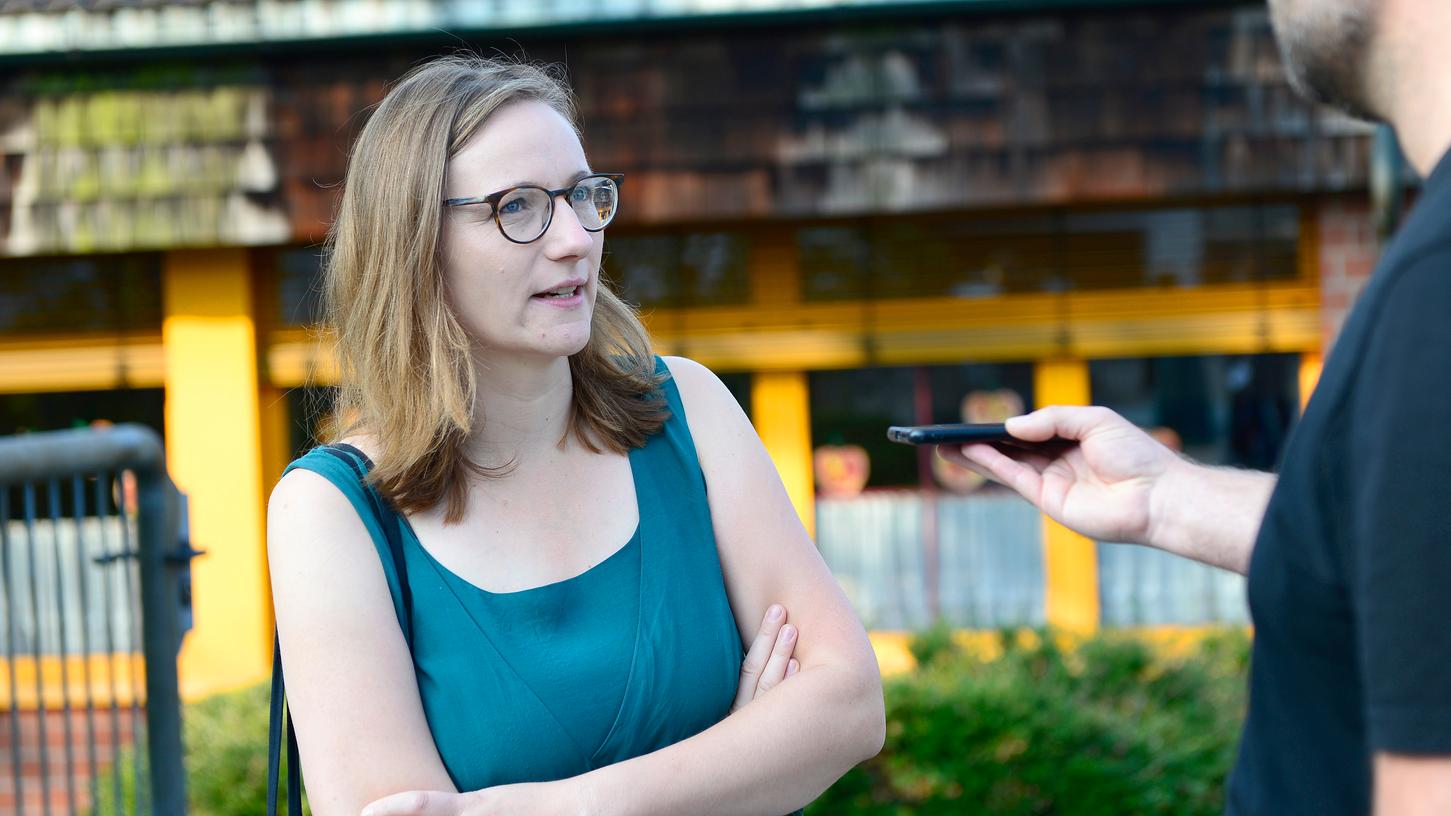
[[1350, 582]]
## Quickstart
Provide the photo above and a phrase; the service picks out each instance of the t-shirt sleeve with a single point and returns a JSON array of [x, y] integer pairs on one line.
[[1400, 476]]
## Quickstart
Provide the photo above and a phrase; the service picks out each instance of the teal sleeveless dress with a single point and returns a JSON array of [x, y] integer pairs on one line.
[[639, 652]]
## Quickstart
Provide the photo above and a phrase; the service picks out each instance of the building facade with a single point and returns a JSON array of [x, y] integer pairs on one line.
[[874, 214]]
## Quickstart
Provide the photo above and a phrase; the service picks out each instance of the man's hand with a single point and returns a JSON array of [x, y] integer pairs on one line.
[[769, 659], [1103, 486], [1111, 481]]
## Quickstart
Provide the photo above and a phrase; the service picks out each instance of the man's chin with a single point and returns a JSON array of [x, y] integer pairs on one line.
[[1328, 60]]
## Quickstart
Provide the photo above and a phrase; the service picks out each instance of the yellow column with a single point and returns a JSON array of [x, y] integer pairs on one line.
[[1310, 364], [780, 402], [781, 412], [214, 452], [1070, 560]]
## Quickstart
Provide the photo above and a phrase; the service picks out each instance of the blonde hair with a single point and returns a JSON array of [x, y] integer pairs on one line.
[[405, 362]]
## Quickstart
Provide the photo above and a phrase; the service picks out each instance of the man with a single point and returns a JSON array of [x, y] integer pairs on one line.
[[1349, 552]]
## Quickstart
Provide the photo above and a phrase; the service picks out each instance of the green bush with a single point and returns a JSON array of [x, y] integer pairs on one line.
[[226, 754], [1111, 727], [225, 740]]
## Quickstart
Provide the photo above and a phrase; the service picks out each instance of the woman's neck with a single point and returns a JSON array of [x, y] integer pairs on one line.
[[521, 407]]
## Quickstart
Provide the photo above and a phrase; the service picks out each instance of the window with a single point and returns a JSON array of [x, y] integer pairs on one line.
[[986, 255], [672, 270], [90, 293]]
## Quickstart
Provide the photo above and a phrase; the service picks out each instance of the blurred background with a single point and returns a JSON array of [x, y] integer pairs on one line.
[[857, 213]]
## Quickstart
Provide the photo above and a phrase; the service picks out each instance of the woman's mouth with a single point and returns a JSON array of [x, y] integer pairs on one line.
[[566, 296], [563, 292]]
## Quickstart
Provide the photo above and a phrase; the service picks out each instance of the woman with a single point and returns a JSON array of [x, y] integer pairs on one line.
[[510, 409]]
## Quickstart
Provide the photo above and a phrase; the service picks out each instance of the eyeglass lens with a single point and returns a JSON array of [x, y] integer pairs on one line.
[[524, 214]]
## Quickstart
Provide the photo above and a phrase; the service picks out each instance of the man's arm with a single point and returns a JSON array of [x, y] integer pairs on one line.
[[1210, 514], [1120, 484], [1412, 785]]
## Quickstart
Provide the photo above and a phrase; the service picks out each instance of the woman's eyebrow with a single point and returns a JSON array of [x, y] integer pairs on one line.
[[573, 180]]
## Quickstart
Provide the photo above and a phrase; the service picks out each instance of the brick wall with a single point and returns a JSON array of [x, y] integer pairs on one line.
[[1348, 251], [31, 795]]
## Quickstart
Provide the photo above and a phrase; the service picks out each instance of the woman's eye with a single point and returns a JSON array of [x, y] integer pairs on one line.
[[579, 194], [512, 206]]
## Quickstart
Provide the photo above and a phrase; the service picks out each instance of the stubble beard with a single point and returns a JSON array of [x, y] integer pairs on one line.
[[1326, 45]]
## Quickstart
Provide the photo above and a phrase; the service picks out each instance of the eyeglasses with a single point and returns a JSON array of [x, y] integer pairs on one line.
[[523, 213]]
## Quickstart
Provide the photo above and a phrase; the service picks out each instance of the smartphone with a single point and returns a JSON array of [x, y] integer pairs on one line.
[[957, 434], [960, 434]]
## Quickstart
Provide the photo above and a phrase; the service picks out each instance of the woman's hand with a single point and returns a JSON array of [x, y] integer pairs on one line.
[[769, 659]]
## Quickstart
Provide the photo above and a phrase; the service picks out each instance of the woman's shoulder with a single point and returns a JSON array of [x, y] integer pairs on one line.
[[698, 385], [320, 485], [711, 413]]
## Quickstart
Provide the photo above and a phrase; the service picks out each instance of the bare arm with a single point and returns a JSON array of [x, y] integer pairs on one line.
[[350, 681], [1412, 785], [1210, 514], [1120, 484]]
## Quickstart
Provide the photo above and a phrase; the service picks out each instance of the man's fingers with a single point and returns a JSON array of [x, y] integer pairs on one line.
[[1000, 467], [758, 654], [953, 454], [775, 670], [1064, 421]]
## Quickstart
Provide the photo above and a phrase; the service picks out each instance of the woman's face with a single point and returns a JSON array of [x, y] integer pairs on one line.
[[533, 299]]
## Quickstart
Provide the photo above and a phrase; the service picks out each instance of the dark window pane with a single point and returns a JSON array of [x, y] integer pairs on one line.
[[88, 293], [713, 268], [22, 413], [856, 407], [833, 263], [739, 384], [299, 286], [308, 407], [642, 268], [679, 269], [989, 385], [974, 255], [1226, 410]]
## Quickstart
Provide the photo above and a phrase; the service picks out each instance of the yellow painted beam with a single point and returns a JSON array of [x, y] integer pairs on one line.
[[81, 363], [214, 451], [781, 412], [1070, 560], [116, 679], [781, 334]]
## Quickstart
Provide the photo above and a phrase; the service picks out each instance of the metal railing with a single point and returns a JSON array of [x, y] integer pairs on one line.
[[95, 594]]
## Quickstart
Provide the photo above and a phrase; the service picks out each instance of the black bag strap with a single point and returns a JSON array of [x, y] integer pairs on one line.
[[278, 718]]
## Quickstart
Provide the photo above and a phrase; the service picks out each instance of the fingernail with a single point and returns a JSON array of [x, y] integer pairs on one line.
[[788, 632], [774, 613]]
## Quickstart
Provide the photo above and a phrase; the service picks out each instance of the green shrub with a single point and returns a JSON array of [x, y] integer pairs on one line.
[[225, 740], [226, 754], [1108, 728], [934, 643]]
